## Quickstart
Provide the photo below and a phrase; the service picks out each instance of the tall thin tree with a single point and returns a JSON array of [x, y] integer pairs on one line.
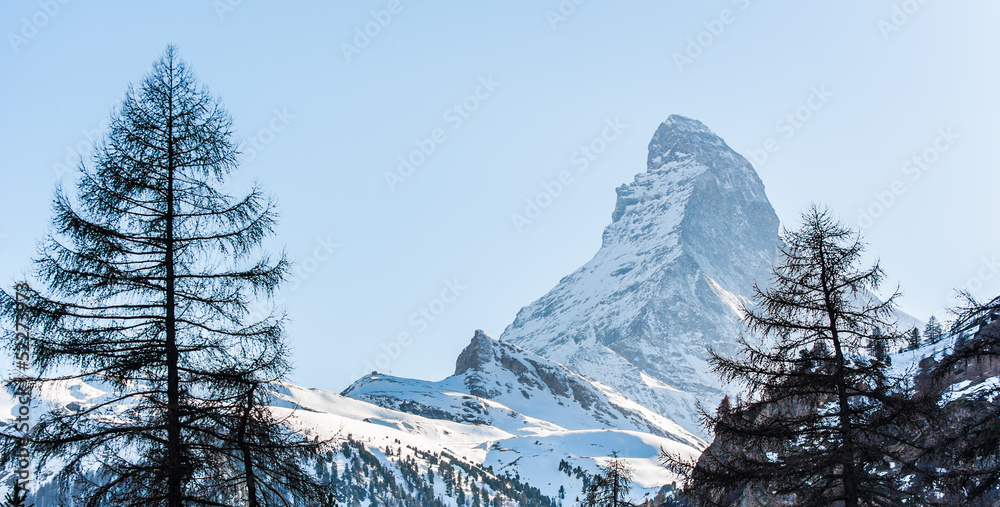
[[617, 482], [148, 275]]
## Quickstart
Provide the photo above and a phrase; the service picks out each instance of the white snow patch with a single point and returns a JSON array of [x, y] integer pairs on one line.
[[656, 384]]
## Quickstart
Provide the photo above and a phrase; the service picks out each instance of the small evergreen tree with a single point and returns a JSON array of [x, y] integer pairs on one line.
[[913, 339], [725, 409], [610, 488], [617, 482], [593, 489], [18, 497], [878, 349], [933, 330]]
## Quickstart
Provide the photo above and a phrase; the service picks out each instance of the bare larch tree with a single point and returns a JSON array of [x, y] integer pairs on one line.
[[822, 422]]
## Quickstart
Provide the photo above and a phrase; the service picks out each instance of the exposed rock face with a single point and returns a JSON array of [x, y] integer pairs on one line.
[[972, 370], [688, 239], [476, 355]]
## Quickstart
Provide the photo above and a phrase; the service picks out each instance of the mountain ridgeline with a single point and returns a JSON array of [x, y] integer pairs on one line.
[[503, 386]]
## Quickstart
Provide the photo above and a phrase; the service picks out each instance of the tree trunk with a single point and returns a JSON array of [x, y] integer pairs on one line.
[[248, 467], [848, 474], [174, 458]]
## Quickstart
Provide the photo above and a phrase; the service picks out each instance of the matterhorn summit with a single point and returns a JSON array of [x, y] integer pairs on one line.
[[687, 241]]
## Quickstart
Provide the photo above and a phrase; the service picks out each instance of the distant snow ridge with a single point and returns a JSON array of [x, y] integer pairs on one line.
[[688, 239], [520, 414], [509, 388]]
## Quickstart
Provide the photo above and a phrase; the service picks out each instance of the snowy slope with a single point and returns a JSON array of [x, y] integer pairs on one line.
[[688, 239], [533, 452], [504, 386], [526, 447]]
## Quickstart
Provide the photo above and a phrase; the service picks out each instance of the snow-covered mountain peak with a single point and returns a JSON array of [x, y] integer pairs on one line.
[[678, 123], [689, 238], [680, 138]]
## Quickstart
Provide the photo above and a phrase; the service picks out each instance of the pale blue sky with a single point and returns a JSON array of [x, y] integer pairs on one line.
[[328, 128]]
